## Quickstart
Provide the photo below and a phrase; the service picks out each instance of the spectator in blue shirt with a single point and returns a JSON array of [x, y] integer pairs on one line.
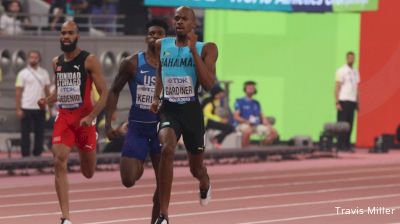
[[250, 119]]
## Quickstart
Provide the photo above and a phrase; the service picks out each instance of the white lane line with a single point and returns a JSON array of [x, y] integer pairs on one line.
[[214, 200], [223, 180], [215, 190], [301, 217], [244, 209]]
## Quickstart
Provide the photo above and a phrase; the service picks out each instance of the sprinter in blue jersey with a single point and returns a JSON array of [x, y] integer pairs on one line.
[[185, 65], [139, 71]]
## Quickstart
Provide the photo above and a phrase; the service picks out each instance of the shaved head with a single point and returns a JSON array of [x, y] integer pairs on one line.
[[187, 9], [70, 24]]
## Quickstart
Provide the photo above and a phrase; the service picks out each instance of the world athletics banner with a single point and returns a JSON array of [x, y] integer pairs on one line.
[[275, 5]]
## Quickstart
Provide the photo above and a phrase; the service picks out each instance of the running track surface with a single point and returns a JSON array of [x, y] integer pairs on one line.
[[305, 191]]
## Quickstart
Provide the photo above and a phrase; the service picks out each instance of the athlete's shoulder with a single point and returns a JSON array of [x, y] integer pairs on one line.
[[210, 45], [131, 60], [54, 61], [90, 57], [128, 64], [211, 49]]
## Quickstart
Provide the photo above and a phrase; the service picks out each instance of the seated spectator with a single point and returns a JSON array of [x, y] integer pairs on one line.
[[9, 25], [250, 118], [215, 118], [14, 9], [81, 9], [104, 7], [56, 14]]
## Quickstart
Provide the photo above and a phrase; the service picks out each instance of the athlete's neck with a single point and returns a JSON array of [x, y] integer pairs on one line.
[[249, 96], [68, 56], [181, 41], [151, 57]]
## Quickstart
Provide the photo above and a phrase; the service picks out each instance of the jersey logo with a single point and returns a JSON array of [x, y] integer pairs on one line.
[[165, 124], [144, 72], [77, 67], [89, 147]]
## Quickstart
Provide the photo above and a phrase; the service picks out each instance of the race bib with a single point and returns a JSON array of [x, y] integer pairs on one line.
[[69, 96], [68, 89], [144, 96], [179, 89]]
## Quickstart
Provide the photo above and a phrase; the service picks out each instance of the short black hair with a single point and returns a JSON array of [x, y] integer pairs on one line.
[[350, 53], [157, 22], [250, 83], [190, 10]]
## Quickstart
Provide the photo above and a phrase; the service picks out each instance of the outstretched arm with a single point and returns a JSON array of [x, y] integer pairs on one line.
[[205, 64], [125, 73]]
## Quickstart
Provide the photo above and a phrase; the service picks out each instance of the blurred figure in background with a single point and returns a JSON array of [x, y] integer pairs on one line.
[[346, 95], [14, 7], [31, 85], [215, 117], [56, 14], [8, 24], [250, 119], [81, 8]]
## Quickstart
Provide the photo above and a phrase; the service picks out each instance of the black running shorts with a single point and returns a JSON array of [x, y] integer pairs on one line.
[[186, 120]]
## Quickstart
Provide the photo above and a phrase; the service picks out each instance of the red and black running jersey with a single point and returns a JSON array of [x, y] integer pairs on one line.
[[73, 82]]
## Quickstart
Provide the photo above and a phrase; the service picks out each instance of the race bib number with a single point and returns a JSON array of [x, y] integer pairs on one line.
[[144, 96], [179, 89], [68, 89], [69, 96]]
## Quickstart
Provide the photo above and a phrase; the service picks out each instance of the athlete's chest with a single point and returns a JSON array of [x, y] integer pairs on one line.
[[145, 75]]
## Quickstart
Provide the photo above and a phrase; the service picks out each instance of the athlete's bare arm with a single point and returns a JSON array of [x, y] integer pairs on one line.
[[92, 65], [205, 64], [126, 72], [159, 85]]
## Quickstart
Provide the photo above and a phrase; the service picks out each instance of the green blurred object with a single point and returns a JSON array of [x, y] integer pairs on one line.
[[292, 57]]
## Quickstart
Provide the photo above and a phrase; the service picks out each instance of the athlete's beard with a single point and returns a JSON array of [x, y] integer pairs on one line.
[[69, 48]]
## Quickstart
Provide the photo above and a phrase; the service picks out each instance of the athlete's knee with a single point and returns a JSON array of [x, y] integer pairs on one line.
[[60, 161], [168, 151]]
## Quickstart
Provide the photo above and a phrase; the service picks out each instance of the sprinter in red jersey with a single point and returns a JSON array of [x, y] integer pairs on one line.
[[75, 72]]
